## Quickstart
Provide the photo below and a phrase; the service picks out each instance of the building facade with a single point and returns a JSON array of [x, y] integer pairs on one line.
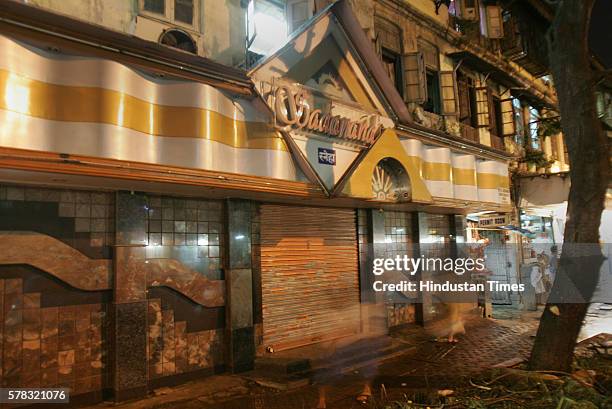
[[183, 191]]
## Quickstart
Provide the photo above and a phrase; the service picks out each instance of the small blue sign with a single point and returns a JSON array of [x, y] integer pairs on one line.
[[327, 156]]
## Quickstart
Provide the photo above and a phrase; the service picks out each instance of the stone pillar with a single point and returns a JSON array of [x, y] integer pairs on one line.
[[376, 241], [424, 311], [373, 311], [560, 143], [129, 312], [239, 285]]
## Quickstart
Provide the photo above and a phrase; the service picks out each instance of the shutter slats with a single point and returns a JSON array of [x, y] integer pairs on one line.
[[448, 91], [310, 284], [464, 100], [507, 114], [415, 82], [494, 22], [482, 106]]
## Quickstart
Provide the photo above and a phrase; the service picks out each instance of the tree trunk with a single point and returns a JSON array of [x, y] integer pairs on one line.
[[587, 144]]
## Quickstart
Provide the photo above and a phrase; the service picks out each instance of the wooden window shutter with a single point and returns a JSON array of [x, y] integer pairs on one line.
[[507, 114], [415, 81], [377, 45], [388, 35], [492, 116], [448, 92], [463, 89], [482, 107], [494, 22]]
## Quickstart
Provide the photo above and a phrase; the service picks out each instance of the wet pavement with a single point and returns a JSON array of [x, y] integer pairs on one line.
[[427, 364]]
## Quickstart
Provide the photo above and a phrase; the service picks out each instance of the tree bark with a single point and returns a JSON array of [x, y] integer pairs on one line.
[[587, 144]]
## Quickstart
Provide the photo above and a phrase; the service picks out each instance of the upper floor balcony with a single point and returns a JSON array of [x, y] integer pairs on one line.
[[507, 43]]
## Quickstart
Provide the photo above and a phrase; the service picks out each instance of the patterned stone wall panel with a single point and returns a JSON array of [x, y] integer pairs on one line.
[[174, 349], [186, 297], [83, 220], [49, 345], [56, 258]]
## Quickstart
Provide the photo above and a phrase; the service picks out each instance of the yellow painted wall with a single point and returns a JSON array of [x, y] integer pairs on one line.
[[388, 146]]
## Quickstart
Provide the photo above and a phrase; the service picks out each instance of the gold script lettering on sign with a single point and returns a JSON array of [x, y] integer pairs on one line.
[[292, 109]]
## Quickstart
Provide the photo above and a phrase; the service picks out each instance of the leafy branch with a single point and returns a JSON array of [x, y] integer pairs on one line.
[[535, 157], [549, 126]]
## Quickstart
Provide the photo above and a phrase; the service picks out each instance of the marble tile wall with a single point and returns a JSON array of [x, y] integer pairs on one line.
[[172, 350], [399, 240], [398, 233], [60, 346], [191, 231], [69, 345], [256, 267], [82, 219], [188, 222], [366, 252]]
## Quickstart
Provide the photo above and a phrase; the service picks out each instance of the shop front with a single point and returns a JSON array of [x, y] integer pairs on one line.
[[393, 190], [156, 230], [126, 262]]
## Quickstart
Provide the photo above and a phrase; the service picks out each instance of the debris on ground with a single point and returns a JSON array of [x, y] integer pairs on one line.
[[162, 391], [588, 386]]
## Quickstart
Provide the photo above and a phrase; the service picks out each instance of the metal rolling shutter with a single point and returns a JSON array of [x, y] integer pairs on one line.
[[309, 274]]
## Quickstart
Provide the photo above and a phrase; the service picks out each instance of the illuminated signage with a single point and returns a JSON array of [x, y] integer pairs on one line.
[[292, 109]]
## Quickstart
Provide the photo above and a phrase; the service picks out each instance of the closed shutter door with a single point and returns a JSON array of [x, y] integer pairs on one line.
[[309, 274]]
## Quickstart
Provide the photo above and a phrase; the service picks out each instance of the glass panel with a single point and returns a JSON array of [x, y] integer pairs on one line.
[[299, 14], [155, 6], [267, 26], [183, 11], [433, 93], [189, 230]]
